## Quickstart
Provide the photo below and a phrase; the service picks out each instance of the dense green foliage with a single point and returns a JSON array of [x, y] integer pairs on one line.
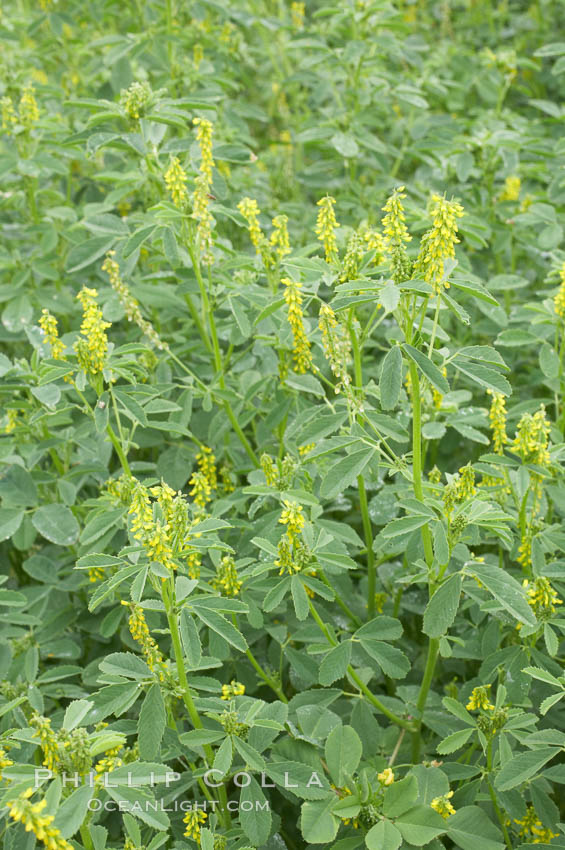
[[281, 465]]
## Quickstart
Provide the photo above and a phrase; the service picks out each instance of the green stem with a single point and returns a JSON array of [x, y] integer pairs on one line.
[[119, 450], [260, 671], [85, 837], [168, 599], [343, 605], [494, 800], [400, 721]]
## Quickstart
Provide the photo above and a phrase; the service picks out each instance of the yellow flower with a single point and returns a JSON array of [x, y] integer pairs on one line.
[[511, 191], [326, 225], [532, 438], [301, 348], [197, 55], [466, 483], [442, 806], [128, 302], [394, 222], [542, 597], [279, 237], [479, 699], [559, 299], [4, 762], [175, 178], [28, 109], [249, 209], [497, 416], [47, 739], [139, 631], [204, 133], [29, 814], [227, 580], [438, 244], [386, 777], [205, 480], [234, 689], [297, 12], [134, 99], [9, 117], [194, 821], [292, 517], [202, 186], [531, 827], [376, 242], [48, 325], [337, 345], [91, 351]]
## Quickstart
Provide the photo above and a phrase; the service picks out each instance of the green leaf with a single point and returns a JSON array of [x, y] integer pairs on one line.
[[391, 660], [522, 767], [73, 811], [335, 663], [249, 754], [17, 487], [345, 472], [505, 589], [404, 525], [454, 741], [219, 624], [483, 376], [137, 239], [190, 639], [317, 823], [254, 813], [299, 597], [471, 829], [442, 608], [420, 825], [400, 796], [57, 523], [383, 836], [429, 369], [224, 756], [343, 753], [125, 664], [142, 804], [85, 254], [75, 713], [10, 521], [151, 723], [391, 378]]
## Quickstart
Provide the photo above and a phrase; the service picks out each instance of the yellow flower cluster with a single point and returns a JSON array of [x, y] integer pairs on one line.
[[376, 242], [326, 226], [466, 483], [29, 814], [139, 631], [279, 237], [525, 549], [194, 821], [249, 209], [205, 480], [301, 347], [91, 351], [128, 302], [47, 739], [175, 179], [394, 222], [531, 827], [297, 12], [48, 325], [4, 762], [197, 55], [386, 777], [227, 581], [28, 109], [293, 517], [532, 438], [337, 346], [9, 117], [559, 299], [292, 554], [154, 535], [479, 699], [443, 806], [354, 253], [438, 244], [234, 689], [511, 190], [202, 186], [134, 99], [497, 417], [542, 597]]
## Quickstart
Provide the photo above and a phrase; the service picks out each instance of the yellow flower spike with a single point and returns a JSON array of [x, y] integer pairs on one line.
[[497, 417], [194, 821], [479, 699], [134, 99], [466, 483], [443, 806], [531, 827], [48, 325], [542, 597], [337, 345], [204, 134], [31, 816], [532, 438], [249, 209], [386, 777], [279, 237], [128, 302], [301, 347], [297, 13], [293, 517], [139, 631], [28, 109], [92, 349], [9, 117], [4, 762], [394, 222], [326, 226], [175, 179], [559, 299], [234, 689], [511, 190], [202, 185], [226, 580], [438, 244]]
